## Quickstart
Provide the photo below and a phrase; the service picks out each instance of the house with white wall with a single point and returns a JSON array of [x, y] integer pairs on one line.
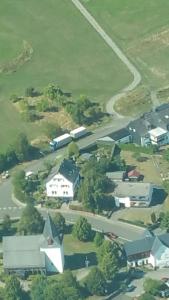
[[28, 254], [63, 183], [133, 194], [152, 250]]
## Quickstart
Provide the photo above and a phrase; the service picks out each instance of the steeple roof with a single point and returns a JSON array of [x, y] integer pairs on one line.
[[50, 230]]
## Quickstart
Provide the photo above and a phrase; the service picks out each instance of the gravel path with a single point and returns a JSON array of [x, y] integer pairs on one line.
[[119, 53]]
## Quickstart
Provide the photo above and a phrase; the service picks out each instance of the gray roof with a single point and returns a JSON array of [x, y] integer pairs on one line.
[[50, 230], [139, 246], [119, 134], [135, 189], [69, 170], [147, 244], [119, 175], [23, 252]]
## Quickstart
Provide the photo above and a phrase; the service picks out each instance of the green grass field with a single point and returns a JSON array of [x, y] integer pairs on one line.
[[66, 51], [141, 29]]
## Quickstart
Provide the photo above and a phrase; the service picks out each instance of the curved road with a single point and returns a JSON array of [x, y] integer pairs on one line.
[[119, 53]]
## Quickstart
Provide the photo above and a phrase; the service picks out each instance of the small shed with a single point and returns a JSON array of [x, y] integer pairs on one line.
[[134, 175]]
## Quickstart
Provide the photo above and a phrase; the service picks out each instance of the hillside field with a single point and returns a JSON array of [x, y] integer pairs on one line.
[[141, 29], [64, 50]]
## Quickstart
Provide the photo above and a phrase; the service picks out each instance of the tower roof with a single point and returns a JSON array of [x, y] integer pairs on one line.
[[50, 230]]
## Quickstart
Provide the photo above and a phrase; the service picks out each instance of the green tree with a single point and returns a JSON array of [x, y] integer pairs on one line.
[[146, 296], [95, 282], [153, 217], [82, 230], [31, 221], [152, 286], [73, 150], [3, 162], [165, 221], [52, 130], [6, 224], [38, 286], [22, 148], [59, 221], [13, 290], [19, 180], [108, 259], [98, 239], [53, 291]]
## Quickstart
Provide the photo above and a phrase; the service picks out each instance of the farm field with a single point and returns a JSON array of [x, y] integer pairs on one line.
[[141, 28], [64, 50]]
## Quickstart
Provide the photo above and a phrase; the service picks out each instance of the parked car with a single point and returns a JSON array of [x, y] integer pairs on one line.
[[164, 294], [5, 175], [111, 235], [130, 288]]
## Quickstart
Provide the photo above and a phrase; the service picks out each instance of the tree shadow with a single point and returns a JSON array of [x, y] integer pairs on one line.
[[158, 196], [78, 260]]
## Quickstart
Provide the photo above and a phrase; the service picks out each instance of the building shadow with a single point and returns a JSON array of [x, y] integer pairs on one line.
[[158, 196], [79, 260]]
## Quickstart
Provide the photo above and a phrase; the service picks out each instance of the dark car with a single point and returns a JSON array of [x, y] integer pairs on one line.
[[111, 235]]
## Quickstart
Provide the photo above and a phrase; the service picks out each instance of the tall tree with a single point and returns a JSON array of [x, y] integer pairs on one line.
[[82, 230], [73, 150], [165, 221], [31, 221], [98, 239], [22, 148], [59, 221], [6, 224], [38, 286], [95, 282], [13, 290]]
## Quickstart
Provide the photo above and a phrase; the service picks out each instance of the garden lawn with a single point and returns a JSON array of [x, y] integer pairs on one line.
[[66, 51], [73, 245]]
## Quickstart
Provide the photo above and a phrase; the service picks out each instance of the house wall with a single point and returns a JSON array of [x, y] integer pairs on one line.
[[122, 200], [124, 140], [162, 257], [54, 259], [59, 186], [160, 140]]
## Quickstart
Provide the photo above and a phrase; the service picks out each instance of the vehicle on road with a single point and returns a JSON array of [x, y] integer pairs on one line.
[[130, 288], [111, 235], [78, 132], [60, 141], [5, 175]]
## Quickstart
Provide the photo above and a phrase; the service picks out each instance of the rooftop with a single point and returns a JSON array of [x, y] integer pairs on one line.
[[133, 173], [119, 134], [69, 170], [23, 252], [147, 244], [138, 189], [157, 131]]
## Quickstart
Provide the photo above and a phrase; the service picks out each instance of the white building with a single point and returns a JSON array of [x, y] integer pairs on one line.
[[41, 253], [64, 182], [159, 136], [152, 250], [133, 194]]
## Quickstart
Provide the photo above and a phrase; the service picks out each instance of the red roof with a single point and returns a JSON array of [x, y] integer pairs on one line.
[[133, 173]]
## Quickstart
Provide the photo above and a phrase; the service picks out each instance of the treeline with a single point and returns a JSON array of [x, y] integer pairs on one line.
[[20, 151]]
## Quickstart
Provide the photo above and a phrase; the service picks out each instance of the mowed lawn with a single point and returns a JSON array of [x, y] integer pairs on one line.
[[66, 51], [141, 28]]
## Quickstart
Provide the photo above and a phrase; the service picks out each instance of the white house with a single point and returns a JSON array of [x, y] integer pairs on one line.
[[41, 253], [64, 182], [159, 136], [152, 250], [130, 194]]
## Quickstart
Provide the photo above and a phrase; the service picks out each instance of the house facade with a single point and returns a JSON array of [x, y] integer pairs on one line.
[[151, 250], [133, 194], [43, 253], [63, 184]]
